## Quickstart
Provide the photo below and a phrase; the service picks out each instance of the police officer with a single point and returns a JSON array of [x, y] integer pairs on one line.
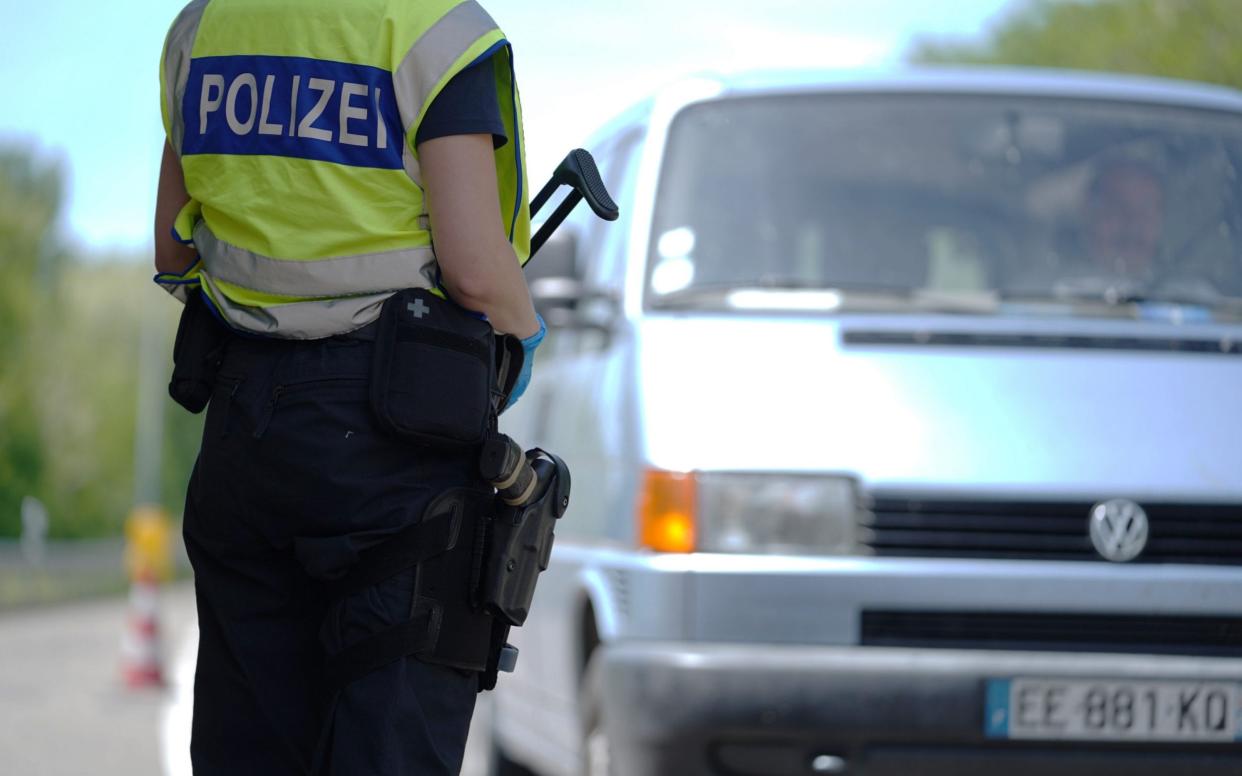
[[315, 151]]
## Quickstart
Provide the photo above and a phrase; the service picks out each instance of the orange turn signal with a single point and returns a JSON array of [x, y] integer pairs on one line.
[[666, 511]]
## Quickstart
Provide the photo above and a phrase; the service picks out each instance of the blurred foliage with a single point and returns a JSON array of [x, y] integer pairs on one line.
[[69, 329], [1190, 39]]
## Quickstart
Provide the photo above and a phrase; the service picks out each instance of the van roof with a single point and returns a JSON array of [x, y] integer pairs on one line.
[[987, 80], [1019, 81]]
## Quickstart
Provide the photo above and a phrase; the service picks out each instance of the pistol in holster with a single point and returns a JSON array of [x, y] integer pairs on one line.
[[517, 548]]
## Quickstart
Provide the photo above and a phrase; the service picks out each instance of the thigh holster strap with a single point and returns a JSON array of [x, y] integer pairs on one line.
[[445, 626], [438, 532]]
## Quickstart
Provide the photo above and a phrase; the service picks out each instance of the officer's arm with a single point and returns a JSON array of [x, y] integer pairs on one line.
[[477, 263], [170, 255]]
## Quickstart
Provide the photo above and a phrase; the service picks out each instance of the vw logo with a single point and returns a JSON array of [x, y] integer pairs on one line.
[[1118, 529]]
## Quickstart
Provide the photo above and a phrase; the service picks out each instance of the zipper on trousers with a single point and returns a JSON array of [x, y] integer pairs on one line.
[[228, 406], [267, 413]]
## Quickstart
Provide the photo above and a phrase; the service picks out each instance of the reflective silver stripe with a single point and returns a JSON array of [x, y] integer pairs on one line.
[[300, 320], [430, 58], [411, 165], [178, 290], [177, 65], [358, 274]]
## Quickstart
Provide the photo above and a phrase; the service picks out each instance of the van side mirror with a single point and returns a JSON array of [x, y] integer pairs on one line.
[[552, 275], [558, 291]]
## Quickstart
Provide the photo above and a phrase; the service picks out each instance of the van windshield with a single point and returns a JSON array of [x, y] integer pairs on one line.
[[942, 196]]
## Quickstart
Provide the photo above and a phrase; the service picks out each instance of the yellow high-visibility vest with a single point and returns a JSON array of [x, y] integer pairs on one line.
[[295, 124]]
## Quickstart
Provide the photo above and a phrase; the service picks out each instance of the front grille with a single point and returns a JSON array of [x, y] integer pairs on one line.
[[1178, 533], [1222, 346], [1203, 636]]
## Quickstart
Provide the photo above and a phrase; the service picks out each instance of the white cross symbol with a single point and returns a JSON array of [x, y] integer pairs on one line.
[[418, 309]]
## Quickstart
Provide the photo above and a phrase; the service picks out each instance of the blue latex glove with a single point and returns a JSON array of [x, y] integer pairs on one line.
[[528, 361]]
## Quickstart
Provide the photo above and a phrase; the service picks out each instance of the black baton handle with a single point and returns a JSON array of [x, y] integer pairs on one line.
[[578, 171]]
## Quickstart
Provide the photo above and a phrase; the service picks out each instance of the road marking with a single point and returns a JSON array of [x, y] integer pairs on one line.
[[179, 709]]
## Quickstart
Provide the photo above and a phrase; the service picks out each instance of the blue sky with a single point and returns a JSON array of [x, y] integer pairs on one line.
[[79, 80]]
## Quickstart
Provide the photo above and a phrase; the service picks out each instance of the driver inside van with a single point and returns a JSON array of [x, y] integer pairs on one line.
[[1116, 234], [1124, 218]]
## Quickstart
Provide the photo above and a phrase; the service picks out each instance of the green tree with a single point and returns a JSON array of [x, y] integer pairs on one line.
[[69, 334], [30, 197], [1189, 39], [88, 398]]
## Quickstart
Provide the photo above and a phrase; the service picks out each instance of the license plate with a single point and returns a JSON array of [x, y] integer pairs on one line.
[[1113, 710]]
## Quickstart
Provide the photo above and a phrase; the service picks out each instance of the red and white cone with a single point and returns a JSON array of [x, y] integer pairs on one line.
[[141, 657]]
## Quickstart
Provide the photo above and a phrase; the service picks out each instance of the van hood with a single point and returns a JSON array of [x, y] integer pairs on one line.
[[952, 404]]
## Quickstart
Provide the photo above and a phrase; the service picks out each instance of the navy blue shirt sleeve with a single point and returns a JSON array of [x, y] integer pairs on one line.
[[467, 105]]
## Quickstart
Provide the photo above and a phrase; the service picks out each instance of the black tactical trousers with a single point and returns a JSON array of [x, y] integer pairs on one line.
[[292, 481]]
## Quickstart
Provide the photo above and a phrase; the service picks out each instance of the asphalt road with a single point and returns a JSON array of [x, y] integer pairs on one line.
[[65, 711], [63, 707]]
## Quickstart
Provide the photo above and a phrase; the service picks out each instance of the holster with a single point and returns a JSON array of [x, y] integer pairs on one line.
[[197, 353], [477, 564], [439, 377], [445, 624], [519, 543]]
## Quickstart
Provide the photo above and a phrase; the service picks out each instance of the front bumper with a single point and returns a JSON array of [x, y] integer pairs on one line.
[[771, 710]]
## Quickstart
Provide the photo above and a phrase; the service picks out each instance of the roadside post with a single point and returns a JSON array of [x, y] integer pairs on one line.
[[148, 561]]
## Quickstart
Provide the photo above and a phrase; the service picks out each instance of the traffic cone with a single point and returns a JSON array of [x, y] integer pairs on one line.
[[141, 656]]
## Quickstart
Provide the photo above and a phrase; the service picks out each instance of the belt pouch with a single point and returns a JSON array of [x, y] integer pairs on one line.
[[433, 371], [197, 352]]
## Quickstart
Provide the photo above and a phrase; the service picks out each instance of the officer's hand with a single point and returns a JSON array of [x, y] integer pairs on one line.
[[528, 361]]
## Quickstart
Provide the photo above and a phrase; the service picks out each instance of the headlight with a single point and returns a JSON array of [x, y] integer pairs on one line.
[[778, 513], [801, 514]]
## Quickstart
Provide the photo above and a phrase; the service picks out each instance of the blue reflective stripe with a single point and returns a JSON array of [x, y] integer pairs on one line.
[[179, 278], [517, 130], [495, 47], [165, 280], [517, 147], [293, 107]]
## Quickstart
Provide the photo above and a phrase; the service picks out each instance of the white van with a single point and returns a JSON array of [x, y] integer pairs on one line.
[[905, 420]]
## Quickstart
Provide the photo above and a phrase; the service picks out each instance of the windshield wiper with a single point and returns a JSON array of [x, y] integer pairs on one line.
[[1125, 296], [1108, 296], [801, 295]]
